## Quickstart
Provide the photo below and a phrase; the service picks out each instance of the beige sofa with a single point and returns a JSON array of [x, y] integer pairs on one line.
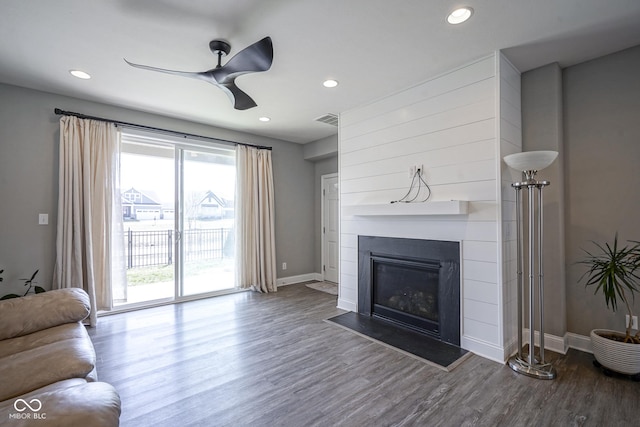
[[48, 364]]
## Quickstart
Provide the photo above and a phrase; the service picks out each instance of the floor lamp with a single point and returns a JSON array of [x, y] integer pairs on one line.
[[530, 163]]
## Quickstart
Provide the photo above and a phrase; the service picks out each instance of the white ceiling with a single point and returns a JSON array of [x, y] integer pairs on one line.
[[372, 47]]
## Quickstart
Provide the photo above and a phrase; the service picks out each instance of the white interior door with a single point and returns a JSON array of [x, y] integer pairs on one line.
[[330, 246]]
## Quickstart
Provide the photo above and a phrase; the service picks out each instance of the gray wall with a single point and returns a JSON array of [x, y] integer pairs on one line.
[[29, 134], [324, 154], [602, 181], [322, 167], [322, 148], [590, 113], [294, 182], [542, 130]]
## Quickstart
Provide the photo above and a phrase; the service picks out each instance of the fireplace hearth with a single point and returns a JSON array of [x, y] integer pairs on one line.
[[413, 283]]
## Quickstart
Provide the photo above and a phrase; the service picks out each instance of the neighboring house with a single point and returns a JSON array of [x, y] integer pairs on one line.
[[137, 206], [140, 205], [212, 206], [168, 211]]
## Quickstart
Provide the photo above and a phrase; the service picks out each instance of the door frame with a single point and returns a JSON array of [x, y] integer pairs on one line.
[[178, 147], [323, 186]]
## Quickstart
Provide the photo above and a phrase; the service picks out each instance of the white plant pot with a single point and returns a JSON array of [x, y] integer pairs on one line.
[[617, 356]]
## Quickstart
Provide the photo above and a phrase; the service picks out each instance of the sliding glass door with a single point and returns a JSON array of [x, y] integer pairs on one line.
[[178, 217], [207, 238]]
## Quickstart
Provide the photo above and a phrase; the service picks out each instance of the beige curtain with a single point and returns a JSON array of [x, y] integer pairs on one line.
[[88, 206], [255, 224]]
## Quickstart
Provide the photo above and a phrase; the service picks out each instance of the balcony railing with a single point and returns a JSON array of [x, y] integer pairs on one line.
[[149, 248]]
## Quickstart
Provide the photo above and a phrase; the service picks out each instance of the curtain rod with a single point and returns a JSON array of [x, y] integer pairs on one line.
[[60, 112]]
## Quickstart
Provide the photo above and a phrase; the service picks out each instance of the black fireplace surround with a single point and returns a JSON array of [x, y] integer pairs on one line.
[[413, 283]]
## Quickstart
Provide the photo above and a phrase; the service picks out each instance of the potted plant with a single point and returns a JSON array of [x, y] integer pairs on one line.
[[615, 273], [29, 283]]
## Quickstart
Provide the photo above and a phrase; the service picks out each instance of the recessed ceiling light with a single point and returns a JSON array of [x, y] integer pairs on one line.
[[330, 83], [264, 119], [80, 74], [458, 16]]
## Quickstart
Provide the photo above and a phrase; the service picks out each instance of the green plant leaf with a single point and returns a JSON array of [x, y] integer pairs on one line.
[[39, 289], [613, 272], [10, 296]]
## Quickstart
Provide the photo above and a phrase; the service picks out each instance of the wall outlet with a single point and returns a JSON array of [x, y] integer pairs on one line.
[[284, 265], [634, 321], [416, 168]]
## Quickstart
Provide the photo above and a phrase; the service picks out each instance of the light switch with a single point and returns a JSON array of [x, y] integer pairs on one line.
[[43, 219]]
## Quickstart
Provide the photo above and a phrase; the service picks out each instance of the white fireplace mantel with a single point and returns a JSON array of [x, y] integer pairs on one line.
[[447, 207]]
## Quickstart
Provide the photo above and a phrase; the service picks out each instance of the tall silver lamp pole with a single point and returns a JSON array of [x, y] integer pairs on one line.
[[530, 163]]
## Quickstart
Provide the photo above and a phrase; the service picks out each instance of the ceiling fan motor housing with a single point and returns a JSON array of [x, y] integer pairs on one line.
[[220, 47]]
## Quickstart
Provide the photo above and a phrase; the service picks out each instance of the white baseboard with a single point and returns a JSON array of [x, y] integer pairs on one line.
[[283, 281], [551, 342], [579, 342], [511, 348], [483, 349], [347, 305], [562, 344]]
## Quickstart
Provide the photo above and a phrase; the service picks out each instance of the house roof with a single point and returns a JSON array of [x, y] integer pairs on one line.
[[208, 195], [374, 48], [143, 200]]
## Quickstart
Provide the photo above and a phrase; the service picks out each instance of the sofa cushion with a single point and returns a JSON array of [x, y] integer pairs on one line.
[[40, 338], [45, 357], [66, 403], [22, 316]]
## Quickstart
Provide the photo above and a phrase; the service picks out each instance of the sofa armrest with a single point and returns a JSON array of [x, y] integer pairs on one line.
[[25, 315], [68, 403]]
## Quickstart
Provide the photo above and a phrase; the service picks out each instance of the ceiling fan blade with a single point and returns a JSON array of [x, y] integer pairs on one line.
[[240, 100], [255, 58], [193, 75]]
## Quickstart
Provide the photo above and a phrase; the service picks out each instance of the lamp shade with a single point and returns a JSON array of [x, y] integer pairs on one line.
[[530, 160]]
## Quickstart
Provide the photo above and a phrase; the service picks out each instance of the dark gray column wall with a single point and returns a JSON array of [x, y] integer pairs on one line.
[[542, 130], [29, 134], [602, 173]]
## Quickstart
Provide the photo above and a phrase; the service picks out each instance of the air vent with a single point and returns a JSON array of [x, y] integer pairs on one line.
[[329, 118]]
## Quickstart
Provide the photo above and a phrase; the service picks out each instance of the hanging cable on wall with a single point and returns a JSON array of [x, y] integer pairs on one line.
[[417, 178]]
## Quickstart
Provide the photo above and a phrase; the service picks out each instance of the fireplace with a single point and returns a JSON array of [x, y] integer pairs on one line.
[[413, 283]]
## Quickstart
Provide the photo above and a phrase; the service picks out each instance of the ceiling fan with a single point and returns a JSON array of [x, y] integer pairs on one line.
[[255, 58]]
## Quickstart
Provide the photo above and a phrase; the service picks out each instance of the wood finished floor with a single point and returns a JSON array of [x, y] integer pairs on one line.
[[250, 359]]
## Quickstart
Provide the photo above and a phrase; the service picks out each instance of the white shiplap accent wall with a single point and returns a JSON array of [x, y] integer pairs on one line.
[[450, 124], [510, 134]]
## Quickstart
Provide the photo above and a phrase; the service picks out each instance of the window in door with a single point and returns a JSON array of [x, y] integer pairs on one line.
[[208, 221], [178, 217]]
